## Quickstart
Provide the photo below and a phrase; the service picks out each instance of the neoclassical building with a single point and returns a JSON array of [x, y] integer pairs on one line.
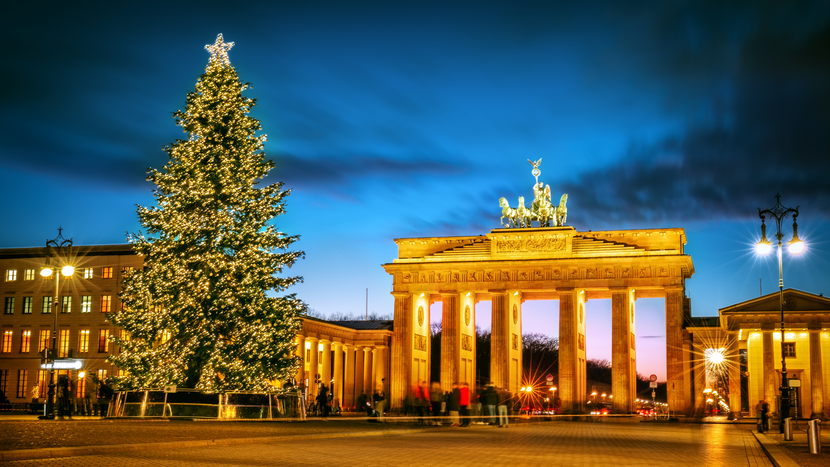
[[752, 330]]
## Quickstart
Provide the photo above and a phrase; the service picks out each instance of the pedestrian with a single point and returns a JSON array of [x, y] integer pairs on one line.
[[464, 403], [453, 404], [380, 402], [491, 399], [323, 401], [504, 402], [421, 397], [764, 416], [436, 401]]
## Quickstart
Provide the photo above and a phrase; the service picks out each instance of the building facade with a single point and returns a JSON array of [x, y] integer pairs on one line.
[[82, 329]]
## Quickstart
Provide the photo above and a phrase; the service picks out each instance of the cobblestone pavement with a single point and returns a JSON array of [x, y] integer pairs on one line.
[[559, 443], [36, 434]]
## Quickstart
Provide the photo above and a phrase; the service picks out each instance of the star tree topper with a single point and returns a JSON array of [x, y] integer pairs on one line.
[[219, 50]]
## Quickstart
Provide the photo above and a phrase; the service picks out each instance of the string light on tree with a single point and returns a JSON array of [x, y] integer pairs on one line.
[[208, 309]]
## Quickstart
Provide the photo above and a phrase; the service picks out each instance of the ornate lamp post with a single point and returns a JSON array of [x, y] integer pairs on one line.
[[795, 246], [66, 270]]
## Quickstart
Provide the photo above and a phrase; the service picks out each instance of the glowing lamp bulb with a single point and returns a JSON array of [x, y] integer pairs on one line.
[[46, 272], [796, 247], [68, 270], [763, 248]]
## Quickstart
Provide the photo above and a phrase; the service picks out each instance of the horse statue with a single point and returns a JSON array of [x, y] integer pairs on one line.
[[507, 212], [523, 213], [561, 212]]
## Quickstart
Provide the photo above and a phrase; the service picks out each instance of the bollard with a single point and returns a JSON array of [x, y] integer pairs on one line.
[[788, 429], [814, 436]]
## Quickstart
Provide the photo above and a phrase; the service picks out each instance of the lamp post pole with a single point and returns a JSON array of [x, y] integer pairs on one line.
[[779, 213], [58, 243]]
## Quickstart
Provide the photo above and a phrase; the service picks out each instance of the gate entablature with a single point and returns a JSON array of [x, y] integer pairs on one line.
[[540, 260]]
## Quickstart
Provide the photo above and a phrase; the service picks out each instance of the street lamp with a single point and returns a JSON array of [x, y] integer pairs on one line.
[[795, 246], [66, 270]]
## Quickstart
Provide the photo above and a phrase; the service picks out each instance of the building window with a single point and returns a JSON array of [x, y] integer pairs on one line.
[[106, 303], [102, 376], [86, 303], [103, 340], [87, 273], [43, 340], [46, 306], [106, 273], [67, 304], [81, 389], [29, 275], [127, 271], [42, 383], [63, 343], [8, 307], [7, 341], [4, 381], [83, 341], [22, 382], [25, 341], [11, 275], [789, 349], [27, 305]]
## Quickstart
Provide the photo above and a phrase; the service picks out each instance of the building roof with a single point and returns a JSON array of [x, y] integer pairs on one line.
[[77, 251]]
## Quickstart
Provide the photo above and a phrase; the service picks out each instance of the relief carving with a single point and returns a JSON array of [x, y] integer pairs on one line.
[[645, 272], [591, 274], [632, 342], [467, 342], [515, 342], [488, 276], [626, 272], [582, 342], [423, 278], [420, 342], [439, 277], [472, 276], [456, 277], [573, 273], [663, 271], [609, 273], [531, 245], [523, 276], [557, 274], [538, 275], [407, 278], [505, 276]]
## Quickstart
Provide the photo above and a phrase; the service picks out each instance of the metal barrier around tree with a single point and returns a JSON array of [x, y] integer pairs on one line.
[[191, 403]]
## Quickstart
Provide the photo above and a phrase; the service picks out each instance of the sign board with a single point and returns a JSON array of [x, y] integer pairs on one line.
[[652, 384], [794, 383], [652, 378], [171, 388], [549, 383], [549, 378], [68, 364]]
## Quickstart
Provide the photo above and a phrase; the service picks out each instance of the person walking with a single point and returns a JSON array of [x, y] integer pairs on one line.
[[491, 399], [464, 403], [380, 402], [764, 413], [504, 401], [435, 401], [453, 404]]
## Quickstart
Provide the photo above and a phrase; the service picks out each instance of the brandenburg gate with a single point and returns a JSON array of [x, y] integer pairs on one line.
[[519, 262]]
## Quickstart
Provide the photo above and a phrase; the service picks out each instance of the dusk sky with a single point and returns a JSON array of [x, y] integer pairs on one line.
[[411, 119]]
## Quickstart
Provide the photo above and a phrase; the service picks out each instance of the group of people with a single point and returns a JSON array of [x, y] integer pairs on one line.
[[326, 404], [432, 406], [763, 415]]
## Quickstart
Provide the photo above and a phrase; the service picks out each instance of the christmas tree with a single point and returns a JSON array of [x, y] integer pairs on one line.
[[204, 312]]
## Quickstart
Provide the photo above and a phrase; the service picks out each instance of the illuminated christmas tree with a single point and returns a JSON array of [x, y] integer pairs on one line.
[[206, 311]]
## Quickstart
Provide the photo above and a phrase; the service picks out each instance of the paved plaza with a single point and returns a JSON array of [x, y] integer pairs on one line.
[[344, 442]]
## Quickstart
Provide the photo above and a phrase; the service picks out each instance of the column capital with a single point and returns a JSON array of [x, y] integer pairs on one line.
[[497, 292], [312, 339], [618, 288], [673, 288], [402, 294], [565, 289]]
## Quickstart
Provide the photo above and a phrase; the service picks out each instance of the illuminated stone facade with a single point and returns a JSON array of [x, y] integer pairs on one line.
[[511, 266], [753, 327]]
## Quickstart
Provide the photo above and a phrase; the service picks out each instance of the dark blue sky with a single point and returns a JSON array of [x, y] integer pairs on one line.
[[396, 119]]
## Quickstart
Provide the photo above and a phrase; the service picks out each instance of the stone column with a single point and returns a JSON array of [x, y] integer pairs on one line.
[[368, 370], [313, 366], [359, 362], [768, 355], [572, 382], [380, 366], [622, 350], [338, 372], [500, 340], [325, 371], [401, 350], [674, 349], [300, 352], [733, 367], [816, 380], [699, 370], [349, 398], [450, 340]]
